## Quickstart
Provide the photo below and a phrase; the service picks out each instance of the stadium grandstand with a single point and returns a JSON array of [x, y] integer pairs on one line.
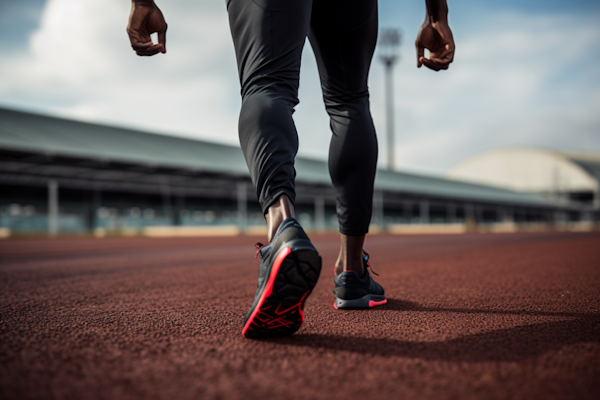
[[69, 177]]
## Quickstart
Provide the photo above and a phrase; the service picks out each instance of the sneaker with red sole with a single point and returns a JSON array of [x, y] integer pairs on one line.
[[353, 292], [289, 269]]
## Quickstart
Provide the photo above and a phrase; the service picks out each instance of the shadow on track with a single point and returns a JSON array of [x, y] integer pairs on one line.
[[511, 344], [403, 305]]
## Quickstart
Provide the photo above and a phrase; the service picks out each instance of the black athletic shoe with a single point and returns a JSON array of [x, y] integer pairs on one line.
[[354, 292], [289, 270]]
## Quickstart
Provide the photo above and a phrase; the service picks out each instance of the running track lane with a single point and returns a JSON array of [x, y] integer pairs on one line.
[[469, 317]]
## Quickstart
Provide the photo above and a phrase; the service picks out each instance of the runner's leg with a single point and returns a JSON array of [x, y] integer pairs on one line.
[[343, 34], [268, 37]]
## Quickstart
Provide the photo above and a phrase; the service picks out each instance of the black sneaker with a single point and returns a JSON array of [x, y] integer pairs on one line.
[[289, 270], [354, 292]]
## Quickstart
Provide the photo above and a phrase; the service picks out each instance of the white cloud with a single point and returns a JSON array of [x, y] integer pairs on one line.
[[522, 82], [79, 64]]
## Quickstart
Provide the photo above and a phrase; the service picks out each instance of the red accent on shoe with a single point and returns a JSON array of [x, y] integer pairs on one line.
[[335, 306], [373, 303], [282, 320], [258, 247], [269, 287], [366, 257], [300, 311]]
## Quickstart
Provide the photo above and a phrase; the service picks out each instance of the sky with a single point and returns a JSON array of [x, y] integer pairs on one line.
[[525, 74]]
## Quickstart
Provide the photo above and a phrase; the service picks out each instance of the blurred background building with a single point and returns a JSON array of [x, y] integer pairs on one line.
[[569, 178], [69, 177]]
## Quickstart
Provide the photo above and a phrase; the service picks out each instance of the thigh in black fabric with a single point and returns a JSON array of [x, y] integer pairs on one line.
[[268, 37], [343, 35]]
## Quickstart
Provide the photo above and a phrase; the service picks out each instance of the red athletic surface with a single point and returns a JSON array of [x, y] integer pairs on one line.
[[469, 317]]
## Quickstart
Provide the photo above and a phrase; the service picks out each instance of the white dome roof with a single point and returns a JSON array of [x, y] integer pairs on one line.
[[531, 170]]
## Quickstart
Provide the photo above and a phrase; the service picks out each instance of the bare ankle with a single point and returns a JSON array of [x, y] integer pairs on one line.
[[350, 257], [279, 211], [354, 265]]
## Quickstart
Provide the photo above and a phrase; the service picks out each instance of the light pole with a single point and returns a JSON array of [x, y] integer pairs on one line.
[[389, 45]]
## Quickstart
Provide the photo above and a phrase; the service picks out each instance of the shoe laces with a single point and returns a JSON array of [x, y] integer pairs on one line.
[[258, 247], [366, 260]]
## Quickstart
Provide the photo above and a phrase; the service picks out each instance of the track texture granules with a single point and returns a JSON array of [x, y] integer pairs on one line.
[[511, 316]]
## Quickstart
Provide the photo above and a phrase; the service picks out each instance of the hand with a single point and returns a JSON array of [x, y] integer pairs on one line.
[[437, 37], [146, 18]]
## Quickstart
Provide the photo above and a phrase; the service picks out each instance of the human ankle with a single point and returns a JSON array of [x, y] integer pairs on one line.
[[350, 256], [353, 264], [279, 211]]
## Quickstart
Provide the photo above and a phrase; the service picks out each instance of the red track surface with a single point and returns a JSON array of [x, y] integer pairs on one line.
[[474, 316]]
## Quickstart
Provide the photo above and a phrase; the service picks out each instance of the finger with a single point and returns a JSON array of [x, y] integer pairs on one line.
[[430, 64], [142, 45], [138, 36], [442, 63], [149, 51], [420, 53], [437, 66], [162, 40], [446, 56]]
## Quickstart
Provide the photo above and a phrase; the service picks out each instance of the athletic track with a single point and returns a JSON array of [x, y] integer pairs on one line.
[[469, 317]]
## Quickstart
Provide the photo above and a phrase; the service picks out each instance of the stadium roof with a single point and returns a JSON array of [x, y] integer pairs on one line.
[[531, 169], [21, 131], [590, 162]]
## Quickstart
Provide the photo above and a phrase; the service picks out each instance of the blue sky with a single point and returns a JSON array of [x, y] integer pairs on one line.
[[525, 74]]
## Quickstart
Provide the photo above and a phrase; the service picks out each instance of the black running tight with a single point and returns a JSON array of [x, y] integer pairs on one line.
[[268, 36]]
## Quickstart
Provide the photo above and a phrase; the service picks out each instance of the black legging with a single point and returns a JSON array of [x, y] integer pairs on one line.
[[268, 36]]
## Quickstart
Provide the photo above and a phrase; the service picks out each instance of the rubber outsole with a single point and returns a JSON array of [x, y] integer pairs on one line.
[[279, 311], [368, 301]]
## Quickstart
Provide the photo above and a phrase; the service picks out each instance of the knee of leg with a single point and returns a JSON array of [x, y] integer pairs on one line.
[[263, 106], [346, 101]]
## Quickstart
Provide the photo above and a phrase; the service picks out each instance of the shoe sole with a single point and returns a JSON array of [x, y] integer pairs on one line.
[[368, 301], [293, 276]]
